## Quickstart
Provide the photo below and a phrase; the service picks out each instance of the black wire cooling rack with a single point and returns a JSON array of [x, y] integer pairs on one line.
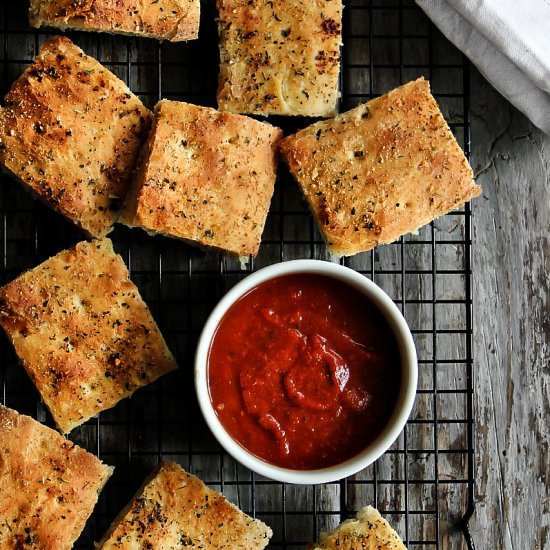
[[424, 483]]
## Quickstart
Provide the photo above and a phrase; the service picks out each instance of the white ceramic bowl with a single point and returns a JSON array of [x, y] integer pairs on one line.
[[405, 400]]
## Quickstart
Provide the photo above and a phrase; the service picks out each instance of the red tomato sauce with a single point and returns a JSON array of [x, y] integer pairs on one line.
[[304, 371]]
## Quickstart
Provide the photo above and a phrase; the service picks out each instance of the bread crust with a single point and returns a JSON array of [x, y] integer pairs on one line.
[[206, 177], [176, 510], [174, 20], [48, 485], [279, 57], [381, 170], [82, 332], [370, 531], [71, 132]]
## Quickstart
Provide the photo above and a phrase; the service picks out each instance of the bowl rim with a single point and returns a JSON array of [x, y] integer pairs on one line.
[[406, 396]]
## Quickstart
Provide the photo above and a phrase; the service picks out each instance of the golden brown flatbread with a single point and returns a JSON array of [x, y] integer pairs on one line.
[[381, 170], [173, 20], [175, 510], [48, 485], [206, 177], [370, 531], [71, 131], [82, 332], [279, 57]]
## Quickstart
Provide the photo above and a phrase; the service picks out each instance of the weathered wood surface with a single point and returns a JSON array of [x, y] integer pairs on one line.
[[511, 274]]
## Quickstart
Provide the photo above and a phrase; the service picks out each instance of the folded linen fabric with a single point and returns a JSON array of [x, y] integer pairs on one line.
[[508, 41]]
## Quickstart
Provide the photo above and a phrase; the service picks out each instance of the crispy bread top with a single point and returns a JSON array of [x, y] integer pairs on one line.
[[279, 57], [175, 510], [82, 331], [380, 170], [174, 20], [48, 485], [370, 531], [71, 131], [206, 176]]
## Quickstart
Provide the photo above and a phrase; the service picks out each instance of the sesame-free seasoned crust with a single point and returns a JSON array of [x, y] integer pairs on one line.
[[381, 170], [173, 20], [206, 177], [370, 531], [48, 485], [71, 131], [82, 332], [175, 510], [279, 57]]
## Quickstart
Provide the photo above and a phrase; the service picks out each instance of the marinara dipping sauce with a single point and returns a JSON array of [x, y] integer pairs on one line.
[[304, 371]]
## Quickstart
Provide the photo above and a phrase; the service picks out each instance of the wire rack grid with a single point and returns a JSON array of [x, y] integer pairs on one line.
[[424, 483]]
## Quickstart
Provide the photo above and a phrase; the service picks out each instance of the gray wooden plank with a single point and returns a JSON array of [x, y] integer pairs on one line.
[[511, 325]]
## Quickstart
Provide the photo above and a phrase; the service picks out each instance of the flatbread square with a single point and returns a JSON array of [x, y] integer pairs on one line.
[[82, 332], [370, 531], [48, 485], [206, 177], [175, 510], [173, 20], [381, 170], [71, 132], [279, 57]]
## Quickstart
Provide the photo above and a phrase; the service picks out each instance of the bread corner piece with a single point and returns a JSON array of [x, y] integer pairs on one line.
[[175, 509], [48, 485], [174, 20], [71, 131], [206, 177], [82, 332], [279, 57], [370, 531], [381, 170]]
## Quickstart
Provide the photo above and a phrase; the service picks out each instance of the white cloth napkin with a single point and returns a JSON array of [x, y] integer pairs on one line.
[[508, 41]]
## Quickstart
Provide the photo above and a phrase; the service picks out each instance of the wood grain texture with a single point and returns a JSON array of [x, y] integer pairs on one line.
[[511, 325]]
